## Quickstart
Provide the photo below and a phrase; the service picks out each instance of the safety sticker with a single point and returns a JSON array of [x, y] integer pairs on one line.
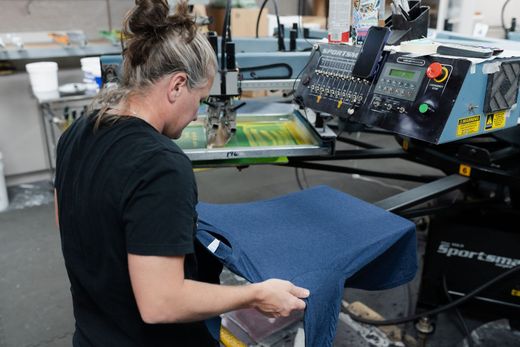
[[495, 120], [465, 170], [468, 125], [515, 292], [406, 144]]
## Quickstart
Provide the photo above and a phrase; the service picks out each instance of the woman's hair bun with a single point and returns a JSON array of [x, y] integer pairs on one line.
[[147, 15], [147, 25], [151, 17]]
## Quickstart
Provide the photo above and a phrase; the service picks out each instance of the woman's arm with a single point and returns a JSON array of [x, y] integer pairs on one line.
[[164, 296]]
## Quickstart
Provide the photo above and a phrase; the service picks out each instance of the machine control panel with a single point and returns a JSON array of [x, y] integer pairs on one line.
[[329, 84], [412, 96], [400, 81]]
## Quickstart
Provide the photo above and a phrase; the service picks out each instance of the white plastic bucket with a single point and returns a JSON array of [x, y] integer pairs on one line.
[[43, 76], [91, 67], [4, 201]]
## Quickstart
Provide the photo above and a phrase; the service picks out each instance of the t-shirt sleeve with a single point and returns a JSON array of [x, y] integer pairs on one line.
[[159, 202]]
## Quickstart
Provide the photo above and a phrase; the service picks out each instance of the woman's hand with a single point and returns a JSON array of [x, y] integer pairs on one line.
[[279, 298]]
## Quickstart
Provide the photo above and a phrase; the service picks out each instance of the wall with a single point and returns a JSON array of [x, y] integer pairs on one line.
[[21, 136], [491, 11], [21, 139], [285, 7], [91, 16]]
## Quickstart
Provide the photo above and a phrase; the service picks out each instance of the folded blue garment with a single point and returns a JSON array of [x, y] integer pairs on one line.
[[321, 239]]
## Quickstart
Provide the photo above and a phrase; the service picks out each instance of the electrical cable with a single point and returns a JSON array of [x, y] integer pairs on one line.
[[409, 301], [303, 69], [467, 333], [305, 178], [229, 38], [301, 12], [259, 15], [281, 42], [298, 180], [440, 309], [506, 30], [225, 30]]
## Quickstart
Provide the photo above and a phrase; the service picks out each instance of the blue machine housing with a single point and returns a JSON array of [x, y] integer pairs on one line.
[[470, 102]]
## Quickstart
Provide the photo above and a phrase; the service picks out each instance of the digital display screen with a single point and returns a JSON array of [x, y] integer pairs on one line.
[[409, 75]]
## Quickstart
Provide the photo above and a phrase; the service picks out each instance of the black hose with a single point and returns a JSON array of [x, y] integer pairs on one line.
[[438, 309], [225, 30], [506, 30], [298, 180], [467, 333], [281, 43], [301, 13], [259, 15], [308, 62]]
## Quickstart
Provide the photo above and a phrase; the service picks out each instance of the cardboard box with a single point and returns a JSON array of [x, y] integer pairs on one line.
[[243, 21], [316, 20], [320, 8]]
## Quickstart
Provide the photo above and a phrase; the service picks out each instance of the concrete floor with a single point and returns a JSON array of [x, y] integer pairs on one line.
[[35, 303]]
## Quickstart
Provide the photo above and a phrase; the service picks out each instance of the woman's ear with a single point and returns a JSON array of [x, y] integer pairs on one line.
[[176, 85]]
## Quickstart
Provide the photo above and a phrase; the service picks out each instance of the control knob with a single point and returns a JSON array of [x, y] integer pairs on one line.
[[426, 107], [437, 72]]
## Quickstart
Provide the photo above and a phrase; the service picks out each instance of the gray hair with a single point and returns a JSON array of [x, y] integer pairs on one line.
[[157, 45]]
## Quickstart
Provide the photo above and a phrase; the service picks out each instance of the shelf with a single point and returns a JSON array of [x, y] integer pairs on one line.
[[41, 52]]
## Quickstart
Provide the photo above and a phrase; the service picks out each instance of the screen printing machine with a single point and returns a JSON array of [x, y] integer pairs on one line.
[[450, 106]]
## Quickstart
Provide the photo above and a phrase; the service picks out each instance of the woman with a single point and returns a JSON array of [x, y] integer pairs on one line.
[[126, 197]]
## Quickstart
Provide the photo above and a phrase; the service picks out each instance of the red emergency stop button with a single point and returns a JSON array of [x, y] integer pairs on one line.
[[434, 70]]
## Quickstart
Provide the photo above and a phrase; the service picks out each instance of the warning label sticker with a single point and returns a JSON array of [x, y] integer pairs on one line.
[[468, 125], [465, 170], [495, 120]]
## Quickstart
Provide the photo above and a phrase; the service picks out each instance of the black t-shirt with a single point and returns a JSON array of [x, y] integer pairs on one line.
[[124, 188]]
